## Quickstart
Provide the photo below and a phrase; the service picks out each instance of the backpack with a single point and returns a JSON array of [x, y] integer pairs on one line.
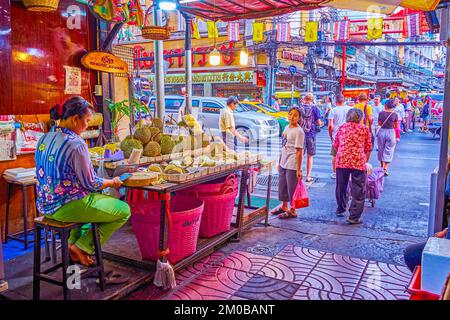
[[425, 111], [307, 120]]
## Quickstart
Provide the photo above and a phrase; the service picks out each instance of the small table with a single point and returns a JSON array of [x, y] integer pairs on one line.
[[23, 185]]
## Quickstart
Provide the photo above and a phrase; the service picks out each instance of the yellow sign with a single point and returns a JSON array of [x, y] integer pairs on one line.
[[210, 77], [104, 61], [312, 31], [374, 28], [258, 31]]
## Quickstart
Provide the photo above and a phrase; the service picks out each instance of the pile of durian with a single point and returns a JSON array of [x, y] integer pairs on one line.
[[153, 142]]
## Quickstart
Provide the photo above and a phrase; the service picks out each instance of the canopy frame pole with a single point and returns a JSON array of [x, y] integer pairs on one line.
[[159, 70], [443, 153], [188, 67]]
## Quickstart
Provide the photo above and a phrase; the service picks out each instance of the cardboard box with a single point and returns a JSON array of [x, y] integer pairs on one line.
[[435, 265]]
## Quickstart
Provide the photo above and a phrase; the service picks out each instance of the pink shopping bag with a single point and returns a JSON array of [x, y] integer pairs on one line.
[[300, 198]]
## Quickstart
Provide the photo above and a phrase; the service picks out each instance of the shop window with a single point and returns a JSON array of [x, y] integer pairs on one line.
[[174, 104], [211, 107]]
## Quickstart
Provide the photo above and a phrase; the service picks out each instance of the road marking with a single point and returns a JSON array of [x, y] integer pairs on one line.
[[418, 158], [425, 204]]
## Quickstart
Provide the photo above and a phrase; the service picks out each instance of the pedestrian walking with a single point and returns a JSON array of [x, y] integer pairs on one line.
[[388, 122], [353, 145], [227, 125], [425, 115], [376, 109], [336, 118], [276, 104], [310, 124], [290, 164], [366, 108]]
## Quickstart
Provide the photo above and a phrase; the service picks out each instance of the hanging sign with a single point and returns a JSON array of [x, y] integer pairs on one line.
[[156, 33], [104, 61]]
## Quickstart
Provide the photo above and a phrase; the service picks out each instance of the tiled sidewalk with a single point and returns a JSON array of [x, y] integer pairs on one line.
[[295, 273]]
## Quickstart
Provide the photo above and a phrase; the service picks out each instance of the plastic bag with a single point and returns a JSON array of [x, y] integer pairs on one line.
[[300, 198]]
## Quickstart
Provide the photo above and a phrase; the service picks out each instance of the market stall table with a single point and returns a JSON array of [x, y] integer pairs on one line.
[[246, 216]]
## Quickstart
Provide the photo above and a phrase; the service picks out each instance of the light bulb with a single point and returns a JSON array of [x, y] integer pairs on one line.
[[167, 5], [243, 58], [214, 57]]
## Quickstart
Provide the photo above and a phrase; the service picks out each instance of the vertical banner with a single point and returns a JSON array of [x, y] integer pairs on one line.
[[342, 30], [249, 30], [374, 28], [233, 31], [194, 28], [312, 31], [213, 32], [283, 32], [258, 31], [413, 25]]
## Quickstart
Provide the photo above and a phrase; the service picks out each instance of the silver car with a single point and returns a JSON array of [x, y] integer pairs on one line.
[[255, 126]]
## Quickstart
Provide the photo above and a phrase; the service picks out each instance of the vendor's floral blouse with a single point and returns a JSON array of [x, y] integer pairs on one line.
[[352, 142], [63, 169]]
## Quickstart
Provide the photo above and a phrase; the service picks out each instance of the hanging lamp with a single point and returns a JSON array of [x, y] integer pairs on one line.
[[243, 56]]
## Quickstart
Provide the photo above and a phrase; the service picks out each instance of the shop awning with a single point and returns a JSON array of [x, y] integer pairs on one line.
[[228, 10]]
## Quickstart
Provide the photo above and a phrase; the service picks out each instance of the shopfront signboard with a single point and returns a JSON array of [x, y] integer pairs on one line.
[[104, 61], [210, 77]]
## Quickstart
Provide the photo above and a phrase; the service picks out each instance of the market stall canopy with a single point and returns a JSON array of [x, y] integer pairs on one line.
[[229, 10], [383, 6]]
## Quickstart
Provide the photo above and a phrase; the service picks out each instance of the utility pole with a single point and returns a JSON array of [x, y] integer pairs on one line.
[[273, 65], [310, 61], [188, 60], [159, 63]]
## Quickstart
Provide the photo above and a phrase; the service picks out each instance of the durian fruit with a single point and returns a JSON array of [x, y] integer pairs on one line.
[[188, 161], [152, 149], [129, 144], [173, 169], [143, 134], [158, 123], [205, 140], [155, 134], [167, 144]]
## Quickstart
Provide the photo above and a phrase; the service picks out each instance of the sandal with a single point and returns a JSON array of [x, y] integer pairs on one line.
[[288, 215], [309, 179], [278, 211]]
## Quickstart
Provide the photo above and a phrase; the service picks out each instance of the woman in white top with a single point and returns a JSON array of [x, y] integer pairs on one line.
[[290, 164]]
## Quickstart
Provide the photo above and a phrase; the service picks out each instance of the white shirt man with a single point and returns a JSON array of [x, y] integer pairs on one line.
[[336, 118]]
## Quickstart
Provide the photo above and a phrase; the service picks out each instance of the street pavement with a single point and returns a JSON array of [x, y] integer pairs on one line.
[[400, 216]]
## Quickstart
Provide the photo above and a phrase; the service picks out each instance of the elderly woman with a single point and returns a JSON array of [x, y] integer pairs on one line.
[[386, 138], [353, 144], [67, 185]]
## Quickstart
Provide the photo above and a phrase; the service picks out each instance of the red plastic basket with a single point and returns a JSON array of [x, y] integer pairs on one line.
[[183, 235], [218, 211], [414, 288]]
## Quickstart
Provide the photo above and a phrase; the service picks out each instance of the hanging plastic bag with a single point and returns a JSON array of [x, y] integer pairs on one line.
[[300, 198]]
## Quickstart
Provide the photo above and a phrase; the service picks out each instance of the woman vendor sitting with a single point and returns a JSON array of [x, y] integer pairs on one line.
[[67, 185]]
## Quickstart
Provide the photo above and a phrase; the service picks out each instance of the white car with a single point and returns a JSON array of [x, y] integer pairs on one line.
[[255, 126]]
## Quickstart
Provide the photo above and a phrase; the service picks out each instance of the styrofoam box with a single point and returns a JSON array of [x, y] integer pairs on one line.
[[435, 264]]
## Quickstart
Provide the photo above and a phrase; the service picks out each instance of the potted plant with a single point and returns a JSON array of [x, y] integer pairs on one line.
[[125, 108]]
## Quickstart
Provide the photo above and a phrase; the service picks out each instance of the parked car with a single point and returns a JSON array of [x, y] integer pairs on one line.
[[281, 116], [207, 110]]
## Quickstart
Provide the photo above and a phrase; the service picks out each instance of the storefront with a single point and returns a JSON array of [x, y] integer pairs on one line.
[[228, 78]]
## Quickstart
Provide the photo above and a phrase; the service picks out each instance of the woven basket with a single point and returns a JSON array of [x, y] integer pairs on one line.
[[141, 179], [148, 33], [41, 5]]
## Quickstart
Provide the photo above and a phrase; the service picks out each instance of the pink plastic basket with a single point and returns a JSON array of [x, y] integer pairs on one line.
[[183, 235], [218, 211], [216, 188]]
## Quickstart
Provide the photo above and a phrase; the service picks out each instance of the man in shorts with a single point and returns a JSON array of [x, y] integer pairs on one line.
[[336, 119], [310, 124]]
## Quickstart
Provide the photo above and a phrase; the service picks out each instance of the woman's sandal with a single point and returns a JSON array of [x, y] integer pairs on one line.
[[278, 211], [309, 179], [288, 215]]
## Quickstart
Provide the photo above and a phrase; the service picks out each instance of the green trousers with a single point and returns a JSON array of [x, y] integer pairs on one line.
[[110, 214]]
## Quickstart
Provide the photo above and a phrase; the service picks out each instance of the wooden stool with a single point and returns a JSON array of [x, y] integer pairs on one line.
[[64, 229], [16, 236]]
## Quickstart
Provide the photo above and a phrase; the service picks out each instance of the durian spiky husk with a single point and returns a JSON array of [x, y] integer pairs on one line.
[[158, 123], [143, 134], [152, 149], [167, 144], [129, 144]]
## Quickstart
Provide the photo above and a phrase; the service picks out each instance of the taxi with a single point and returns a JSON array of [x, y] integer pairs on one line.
[[281, 116]]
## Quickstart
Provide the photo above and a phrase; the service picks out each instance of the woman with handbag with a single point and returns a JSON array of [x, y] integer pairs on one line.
[[386, 137]]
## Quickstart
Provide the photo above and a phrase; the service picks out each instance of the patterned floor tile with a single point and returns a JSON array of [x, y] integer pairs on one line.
[[290, 271], [222, 279], [307, 293], [337, 274], [196, 292], [237, 298], [300, 254], [245, 261], [188, 273], [264, 288], [384, 282]]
